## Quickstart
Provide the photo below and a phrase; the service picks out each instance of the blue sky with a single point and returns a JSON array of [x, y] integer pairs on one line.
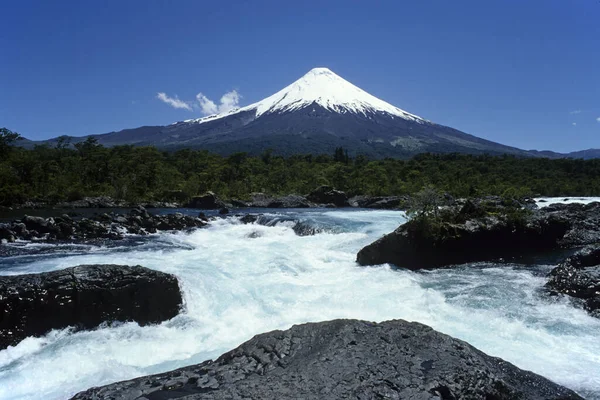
[[520, 72]]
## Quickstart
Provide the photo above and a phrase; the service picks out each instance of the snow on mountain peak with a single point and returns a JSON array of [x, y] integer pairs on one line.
[[327, 89]]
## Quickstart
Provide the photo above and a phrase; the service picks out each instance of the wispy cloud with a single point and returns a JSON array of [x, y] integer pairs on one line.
[[228, 102], [598, 119], [574, 124], [575, 112], [173, 101]]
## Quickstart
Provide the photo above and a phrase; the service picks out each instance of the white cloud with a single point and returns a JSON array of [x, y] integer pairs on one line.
[[207, 106], [574, 124], [228, 102], [173, 101], [598, 119], [575, 112]]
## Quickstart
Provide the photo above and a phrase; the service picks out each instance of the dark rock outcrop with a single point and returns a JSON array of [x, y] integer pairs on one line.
[[206, 201], [479, 239], [584, 222], [477, 233], [328, 195], [84, 297], [579, 277], [103, 226], [344, 359]]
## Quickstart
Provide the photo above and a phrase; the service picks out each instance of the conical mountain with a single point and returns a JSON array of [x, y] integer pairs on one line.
[[313, 115]]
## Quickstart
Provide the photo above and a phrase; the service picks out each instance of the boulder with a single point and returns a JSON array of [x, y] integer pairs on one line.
[[6, 233], [344, 359], [328, 195], [84, 297], [579, 277], [206, 201]]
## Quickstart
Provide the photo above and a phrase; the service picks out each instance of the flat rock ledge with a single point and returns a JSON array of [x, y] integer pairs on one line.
[[344, 359], [84, 297]]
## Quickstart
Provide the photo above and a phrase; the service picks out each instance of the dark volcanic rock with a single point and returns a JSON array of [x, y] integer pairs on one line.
[[485, 234], [328, 195], [103, 226], [84, 297], [584, 220], [344, 359], [479, 239], [579, 277], [206, 201]]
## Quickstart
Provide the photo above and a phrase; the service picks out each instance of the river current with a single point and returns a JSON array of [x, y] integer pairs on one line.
[[240, 280]]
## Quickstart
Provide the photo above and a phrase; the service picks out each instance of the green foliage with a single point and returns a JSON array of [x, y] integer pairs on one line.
[[7, 138], [66, 172]]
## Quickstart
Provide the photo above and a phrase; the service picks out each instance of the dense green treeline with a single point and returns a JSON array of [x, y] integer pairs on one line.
[[67, 172]]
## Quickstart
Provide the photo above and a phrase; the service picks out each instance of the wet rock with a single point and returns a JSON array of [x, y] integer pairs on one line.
[[328, 195], [224, 211], [344, 359], [84, 297], [6, 234], [579, 277], [249, 218], [38, 224], [379, 202]]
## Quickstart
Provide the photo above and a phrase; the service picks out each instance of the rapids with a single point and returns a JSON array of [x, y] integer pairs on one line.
[[240, 280]]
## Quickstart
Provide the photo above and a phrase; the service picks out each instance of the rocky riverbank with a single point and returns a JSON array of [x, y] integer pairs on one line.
[[84, 297], [344, 359], [323, 196], [101, 226]]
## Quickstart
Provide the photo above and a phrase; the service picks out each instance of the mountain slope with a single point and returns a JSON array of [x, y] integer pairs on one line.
[[315, 114]]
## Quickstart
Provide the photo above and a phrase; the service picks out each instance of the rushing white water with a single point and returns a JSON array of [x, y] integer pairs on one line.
[[239, 280]]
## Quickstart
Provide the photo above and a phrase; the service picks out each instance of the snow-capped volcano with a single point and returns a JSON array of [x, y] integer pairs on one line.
[[322, 87], [314, 115]]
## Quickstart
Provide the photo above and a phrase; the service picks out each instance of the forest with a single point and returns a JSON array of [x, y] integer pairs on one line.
[[66, 172]]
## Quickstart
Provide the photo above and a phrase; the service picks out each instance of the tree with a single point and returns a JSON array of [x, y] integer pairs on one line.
[[7, 138], [425, 204]]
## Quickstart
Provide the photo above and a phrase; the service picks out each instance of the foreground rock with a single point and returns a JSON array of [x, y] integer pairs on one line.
[[579, 277], [472, 234], [103, 226], [344, 359], [84, 297]]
